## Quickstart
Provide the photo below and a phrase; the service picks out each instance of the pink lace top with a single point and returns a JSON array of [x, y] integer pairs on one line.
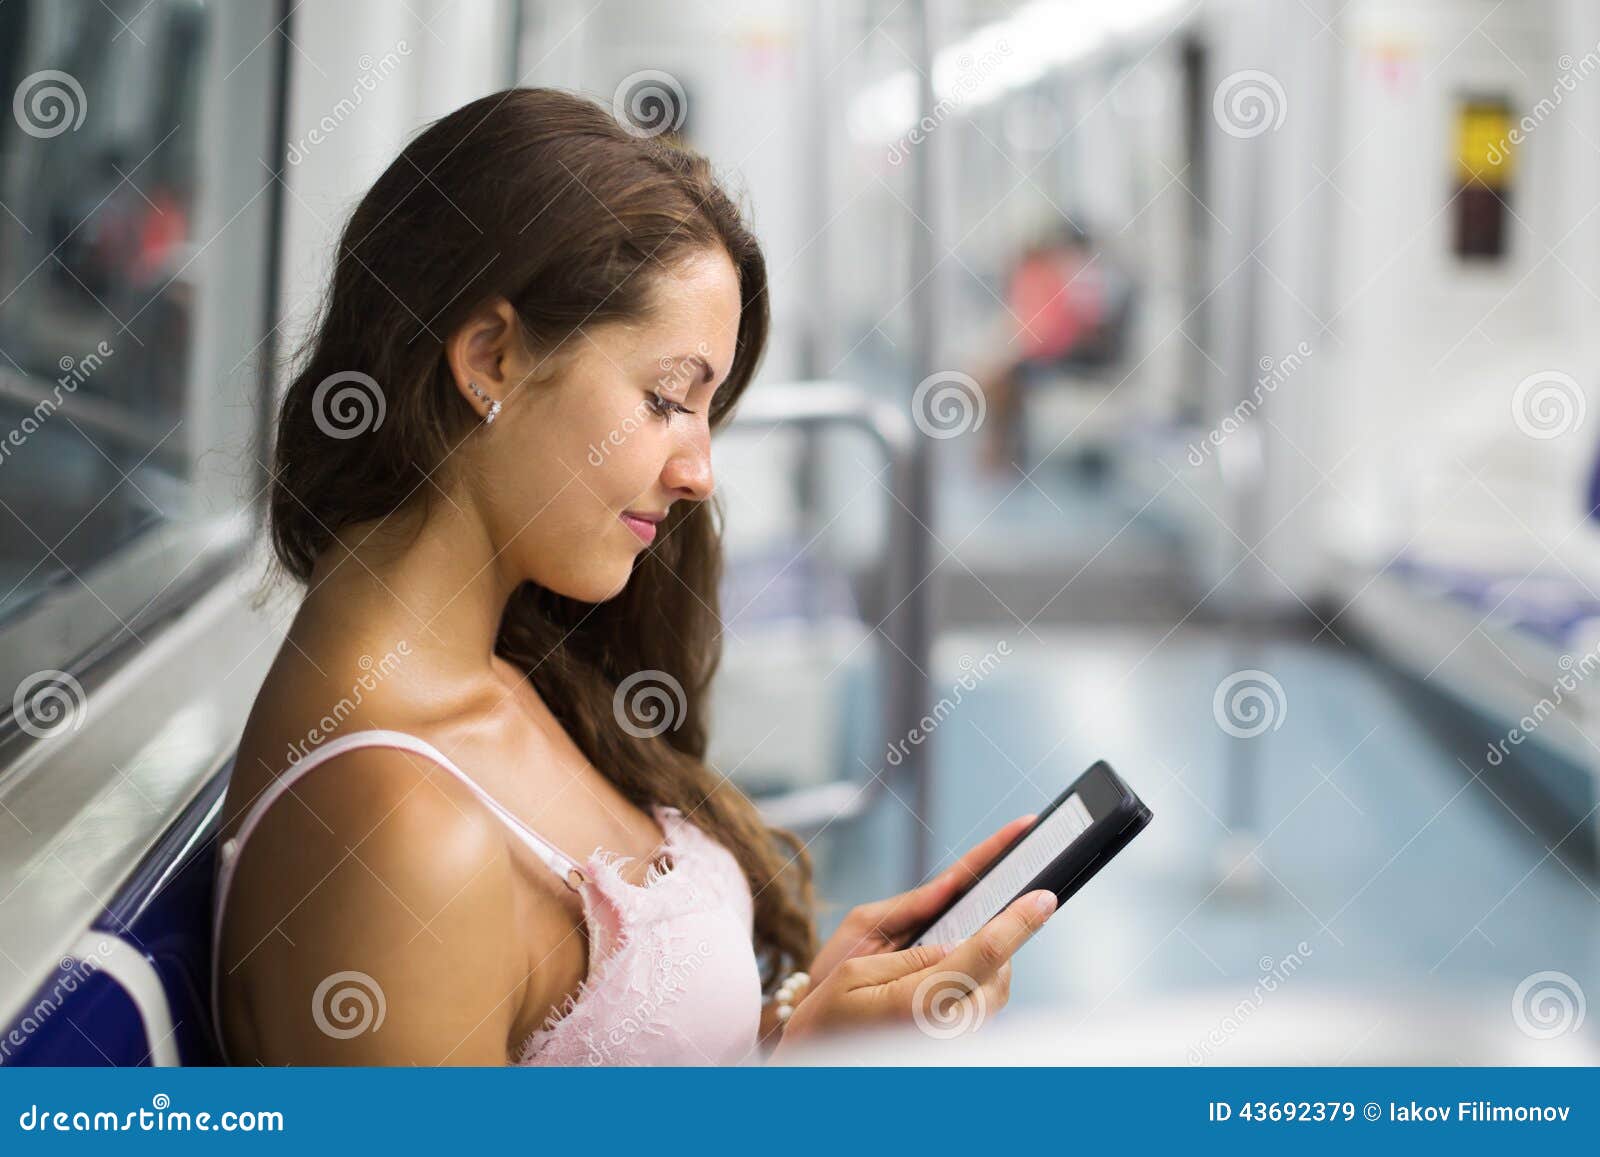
[[673, 978]]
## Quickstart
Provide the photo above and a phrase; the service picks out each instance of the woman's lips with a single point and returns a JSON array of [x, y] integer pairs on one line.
[[643, 527]]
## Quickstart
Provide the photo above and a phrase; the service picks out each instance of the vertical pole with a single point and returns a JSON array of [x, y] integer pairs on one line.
[[814, 140], [1245, 479], [917, 634]]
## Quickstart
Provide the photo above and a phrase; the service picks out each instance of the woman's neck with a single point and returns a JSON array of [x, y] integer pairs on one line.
[[440, 588]]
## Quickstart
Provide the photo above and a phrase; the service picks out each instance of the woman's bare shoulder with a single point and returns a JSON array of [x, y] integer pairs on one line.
[[376, 873], [378, 865]]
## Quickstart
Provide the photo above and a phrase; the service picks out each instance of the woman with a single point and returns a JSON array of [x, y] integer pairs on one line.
[[492, 472]]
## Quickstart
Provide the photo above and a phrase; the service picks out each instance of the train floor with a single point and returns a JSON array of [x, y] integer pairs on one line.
[[1373, 854]]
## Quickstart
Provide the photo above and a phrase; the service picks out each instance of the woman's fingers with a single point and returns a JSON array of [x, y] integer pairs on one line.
[[992, 996], [942, 987], [910, 909], [948, 1002], [887, 967], [983, 955]]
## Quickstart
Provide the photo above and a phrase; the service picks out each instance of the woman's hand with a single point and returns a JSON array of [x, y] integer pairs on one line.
[[883, 925], [944, 989]]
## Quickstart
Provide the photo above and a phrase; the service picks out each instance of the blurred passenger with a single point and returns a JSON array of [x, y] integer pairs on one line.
[[1068, 307]]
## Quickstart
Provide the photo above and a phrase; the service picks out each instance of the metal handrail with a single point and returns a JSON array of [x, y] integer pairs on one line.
[[811, 407]]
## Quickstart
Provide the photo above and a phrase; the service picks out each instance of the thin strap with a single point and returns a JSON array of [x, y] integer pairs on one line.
[[228, 853], [558, 861]]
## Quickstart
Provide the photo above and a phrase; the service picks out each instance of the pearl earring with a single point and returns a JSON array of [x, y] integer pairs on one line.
[[494, 406]]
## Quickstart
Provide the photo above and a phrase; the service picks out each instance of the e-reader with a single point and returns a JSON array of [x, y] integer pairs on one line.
[[1072, 839]]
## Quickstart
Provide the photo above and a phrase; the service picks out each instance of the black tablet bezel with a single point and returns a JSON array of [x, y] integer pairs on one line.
[[1116, 816]]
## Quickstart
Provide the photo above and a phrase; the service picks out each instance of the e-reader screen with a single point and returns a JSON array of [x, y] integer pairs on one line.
[[1004, 881]]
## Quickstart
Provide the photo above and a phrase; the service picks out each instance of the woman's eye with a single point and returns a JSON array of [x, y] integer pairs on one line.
[[665, 407]]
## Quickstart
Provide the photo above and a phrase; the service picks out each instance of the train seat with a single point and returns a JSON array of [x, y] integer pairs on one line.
[[134, 989]]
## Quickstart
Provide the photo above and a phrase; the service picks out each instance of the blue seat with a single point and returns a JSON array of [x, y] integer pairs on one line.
[[1551, 606], [135, 990]]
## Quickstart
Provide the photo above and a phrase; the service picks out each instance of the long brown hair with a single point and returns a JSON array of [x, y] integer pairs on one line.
[[543, 199]]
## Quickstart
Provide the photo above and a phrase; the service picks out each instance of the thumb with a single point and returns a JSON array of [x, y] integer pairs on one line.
[[989, 948], [883, 967], [900, 914]]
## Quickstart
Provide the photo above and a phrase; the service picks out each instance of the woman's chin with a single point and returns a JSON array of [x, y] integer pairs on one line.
[[608, 587], [597, 586]]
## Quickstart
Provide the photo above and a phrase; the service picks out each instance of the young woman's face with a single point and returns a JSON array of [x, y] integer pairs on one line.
[[576, 470]]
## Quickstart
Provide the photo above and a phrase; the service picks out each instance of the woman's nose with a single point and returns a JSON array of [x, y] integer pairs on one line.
[[688, 472]]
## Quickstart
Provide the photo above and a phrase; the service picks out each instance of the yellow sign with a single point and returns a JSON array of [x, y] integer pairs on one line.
[[1484, 151]]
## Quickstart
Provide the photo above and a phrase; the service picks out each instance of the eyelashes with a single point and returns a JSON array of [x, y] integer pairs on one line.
[[664, 407]]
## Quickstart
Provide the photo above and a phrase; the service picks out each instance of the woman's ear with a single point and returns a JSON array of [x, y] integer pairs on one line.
[[483, 354]]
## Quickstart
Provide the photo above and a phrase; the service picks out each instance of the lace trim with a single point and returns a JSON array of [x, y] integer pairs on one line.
[[608, 882], [640, 1010], [613, 864], [620, 1039]]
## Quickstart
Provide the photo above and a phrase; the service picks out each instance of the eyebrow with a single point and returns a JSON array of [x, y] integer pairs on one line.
[[706, 372]]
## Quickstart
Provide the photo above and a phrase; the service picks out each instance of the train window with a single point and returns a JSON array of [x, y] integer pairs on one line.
[[131, 238]]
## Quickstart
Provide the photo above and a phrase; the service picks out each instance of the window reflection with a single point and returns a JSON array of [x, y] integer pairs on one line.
[[98, 159]]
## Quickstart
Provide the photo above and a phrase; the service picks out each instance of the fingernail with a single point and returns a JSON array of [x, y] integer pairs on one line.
[[1044, 902]]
